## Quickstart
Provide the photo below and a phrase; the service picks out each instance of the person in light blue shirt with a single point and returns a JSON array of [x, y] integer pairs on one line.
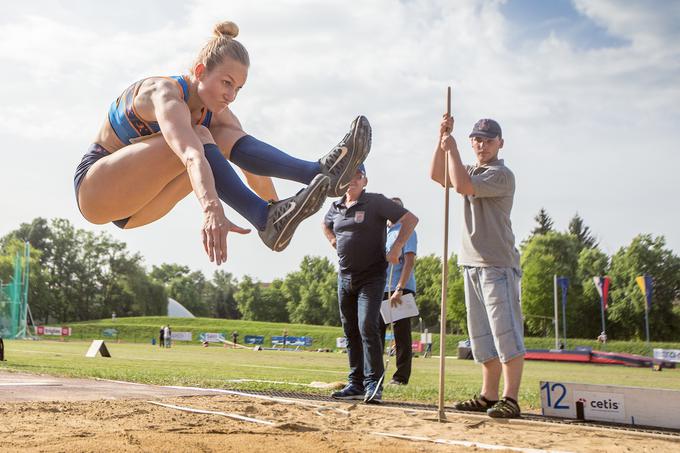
[[401, 280]]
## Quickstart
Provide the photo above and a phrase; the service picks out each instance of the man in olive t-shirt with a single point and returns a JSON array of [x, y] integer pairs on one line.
[[490, 263]]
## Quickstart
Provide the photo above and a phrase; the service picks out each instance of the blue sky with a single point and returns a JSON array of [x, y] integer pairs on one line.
[[533, 21], [586, 91]]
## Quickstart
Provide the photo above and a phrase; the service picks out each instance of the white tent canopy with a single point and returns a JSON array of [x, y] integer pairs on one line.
[[177, 310]]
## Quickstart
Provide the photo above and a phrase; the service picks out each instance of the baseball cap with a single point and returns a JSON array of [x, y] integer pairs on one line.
[[486, 128]]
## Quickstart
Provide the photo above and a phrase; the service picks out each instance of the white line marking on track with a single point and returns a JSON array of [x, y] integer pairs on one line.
[[223, 414], [465, 443]]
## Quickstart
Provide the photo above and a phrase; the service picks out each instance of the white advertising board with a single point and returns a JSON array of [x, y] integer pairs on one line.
[[180, 336], [609, 403], [55, 331], [211, 337], [669, 355]]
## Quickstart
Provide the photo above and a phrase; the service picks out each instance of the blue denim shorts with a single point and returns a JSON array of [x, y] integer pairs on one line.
[[494, 313]]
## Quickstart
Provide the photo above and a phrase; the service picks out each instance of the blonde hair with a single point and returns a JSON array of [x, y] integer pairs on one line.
[[222, 45]]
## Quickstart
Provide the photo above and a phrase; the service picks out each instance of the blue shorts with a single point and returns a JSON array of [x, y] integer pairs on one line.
[[93, 154], [494, 313]]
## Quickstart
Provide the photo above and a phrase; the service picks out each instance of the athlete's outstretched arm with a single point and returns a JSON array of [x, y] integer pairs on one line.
[[174, 119]]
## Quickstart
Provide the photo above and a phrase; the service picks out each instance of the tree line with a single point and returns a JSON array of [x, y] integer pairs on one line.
[[77, 275]]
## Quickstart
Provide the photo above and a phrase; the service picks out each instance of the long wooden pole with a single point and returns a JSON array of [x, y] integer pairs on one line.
[[445, 274]]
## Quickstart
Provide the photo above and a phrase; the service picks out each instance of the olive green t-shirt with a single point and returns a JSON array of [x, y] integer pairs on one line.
[[488, 239]]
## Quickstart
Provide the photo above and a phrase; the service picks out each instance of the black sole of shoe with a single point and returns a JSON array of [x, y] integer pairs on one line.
[[310, 205], [360, 139], [348, 398]]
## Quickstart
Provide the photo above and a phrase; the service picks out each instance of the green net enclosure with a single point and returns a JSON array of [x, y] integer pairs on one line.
[[14, 299]]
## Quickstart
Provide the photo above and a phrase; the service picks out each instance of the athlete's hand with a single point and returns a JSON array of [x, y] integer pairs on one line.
[[214, 233]]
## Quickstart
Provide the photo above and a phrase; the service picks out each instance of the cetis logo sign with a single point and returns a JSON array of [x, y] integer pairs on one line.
[[602, 406]]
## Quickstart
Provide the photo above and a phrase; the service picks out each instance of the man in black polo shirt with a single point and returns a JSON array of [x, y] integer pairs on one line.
[[356, 227]]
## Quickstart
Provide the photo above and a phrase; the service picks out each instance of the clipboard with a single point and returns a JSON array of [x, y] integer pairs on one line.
[[406, 309]]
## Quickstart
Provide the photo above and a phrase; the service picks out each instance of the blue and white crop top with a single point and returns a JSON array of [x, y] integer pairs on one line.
[[126, 123]]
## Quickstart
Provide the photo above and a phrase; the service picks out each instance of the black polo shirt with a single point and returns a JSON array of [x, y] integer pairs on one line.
[[360, 233]]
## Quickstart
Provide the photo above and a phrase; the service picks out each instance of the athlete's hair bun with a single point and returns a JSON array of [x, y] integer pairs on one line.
[[226, 29]]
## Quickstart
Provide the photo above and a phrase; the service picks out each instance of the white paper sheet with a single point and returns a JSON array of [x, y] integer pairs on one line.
[[406, 309]]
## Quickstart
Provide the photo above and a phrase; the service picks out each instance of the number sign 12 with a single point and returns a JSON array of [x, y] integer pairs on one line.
[[556, 390]]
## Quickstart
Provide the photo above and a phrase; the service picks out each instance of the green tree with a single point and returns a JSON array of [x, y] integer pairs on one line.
[[276, 300], [592, 262], [456, 312], [219, 295], [645, 255], [37, 233], [543, 256], [186, 287], [312, 293], [428, 273], [250, 302], [582, 232], [544, 221]]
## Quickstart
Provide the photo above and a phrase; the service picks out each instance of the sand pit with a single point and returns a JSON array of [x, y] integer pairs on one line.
[[133, 425]]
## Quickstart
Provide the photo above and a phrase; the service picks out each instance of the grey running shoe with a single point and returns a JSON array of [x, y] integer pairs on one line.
[[341, 163], [373, 393], [284, 216]]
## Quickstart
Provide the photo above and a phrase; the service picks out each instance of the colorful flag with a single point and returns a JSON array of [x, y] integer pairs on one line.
[[645, 284], [563, 282], [602, 286]]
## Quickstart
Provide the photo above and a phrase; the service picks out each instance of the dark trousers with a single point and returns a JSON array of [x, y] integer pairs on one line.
[[402, 340], [360, 315]]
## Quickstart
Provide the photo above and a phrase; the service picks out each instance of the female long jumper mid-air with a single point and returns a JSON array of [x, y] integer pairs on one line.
[[165, 137]]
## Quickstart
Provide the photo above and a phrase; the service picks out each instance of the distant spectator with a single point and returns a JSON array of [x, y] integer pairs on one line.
[[285, 337], [234, 338], [161, 341], [602, 338], [167, 335]]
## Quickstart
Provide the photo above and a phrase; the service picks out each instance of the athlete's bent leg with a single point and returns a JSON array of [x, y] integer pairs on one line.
[[120, 184]]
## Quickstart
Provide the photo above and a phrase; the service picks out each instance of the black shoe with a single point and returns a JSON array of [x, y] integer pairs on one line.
[[476, 404], [505, 408], [341, 163], [350, 392], [284, 216]]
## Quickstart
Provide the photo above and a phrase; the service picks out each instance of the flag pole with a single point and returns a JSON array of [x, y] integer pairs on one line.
[[556, 319], [564, 317], [441, 416], [602, 308]]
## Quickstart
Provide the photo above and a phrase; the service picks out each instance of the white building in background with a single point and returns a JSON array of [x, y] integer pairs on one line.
[[177, 310]]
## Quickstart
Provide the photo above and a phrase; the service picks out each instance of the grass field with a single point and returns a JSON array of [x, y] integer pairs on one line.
[[194, 365], [143, 329]]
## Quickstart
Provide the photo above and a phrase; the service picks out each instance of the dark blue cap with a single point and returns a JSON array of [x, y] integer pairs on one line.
[[486, 128], [362, 169]]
